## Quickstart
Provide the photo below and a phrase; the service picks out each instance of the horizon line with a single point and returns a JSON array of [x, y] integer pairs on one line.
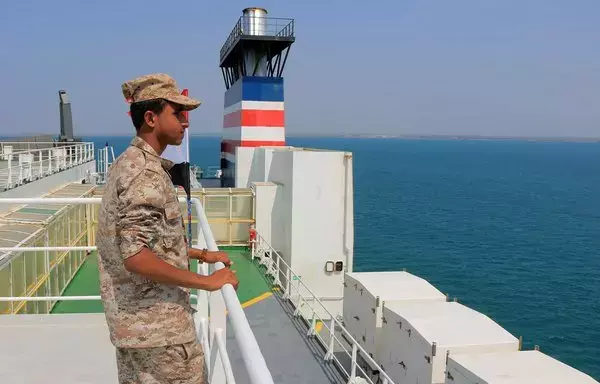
[[396, 136]]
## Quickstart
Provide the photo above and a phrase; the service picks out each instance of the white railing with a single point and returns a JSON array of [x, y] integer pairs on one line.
[[24, 166], [106, 157], [210, 329], [310, 308]]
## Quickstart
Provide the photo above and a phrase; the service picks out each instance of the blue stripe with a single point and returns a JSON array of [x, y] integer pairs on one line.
[[233, 94], [262, 88], [255, 88]]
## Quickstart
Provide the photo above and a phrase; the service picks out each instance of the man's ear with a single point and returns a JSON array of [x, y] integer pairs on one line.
[[150, 119]]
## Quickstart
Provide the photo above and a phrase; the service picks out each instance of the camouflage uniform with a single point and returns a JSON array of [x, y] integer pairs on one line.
[[150, 324]]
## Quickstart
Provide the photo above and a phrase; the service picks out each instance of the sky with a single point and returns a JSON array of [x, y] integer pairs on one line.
[[478, 67]]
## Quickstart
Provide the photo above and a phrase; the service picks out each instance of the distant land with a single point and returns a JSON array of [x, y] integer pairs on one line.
[[428, 137], [370, 136], [464, 137]]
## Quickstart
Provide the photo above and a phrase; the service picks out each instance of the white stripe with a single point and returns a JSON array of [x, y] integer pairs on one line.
[[254, 133], [261, 105]]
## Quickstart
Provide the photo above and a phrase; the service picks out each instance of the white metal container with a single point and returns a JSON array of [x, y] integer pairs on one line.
[[524, 367], [366, 292], [416, 338]]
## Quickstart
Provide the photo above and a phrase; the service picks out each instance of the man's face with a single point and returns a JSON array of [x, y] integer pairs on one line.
[[170, 125]]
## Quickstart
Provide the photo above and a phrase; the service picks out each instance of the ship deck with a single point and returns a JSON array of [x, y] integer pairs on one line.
[[71, 345]]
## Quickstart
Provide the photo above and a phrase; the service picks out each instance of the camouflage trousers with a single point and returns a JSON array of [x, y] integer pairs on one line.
[[172, 364]]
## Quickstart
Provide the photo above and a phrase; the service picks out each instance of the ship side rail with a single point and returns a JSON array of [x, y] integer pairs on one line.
[[338, 344], [23, 166], [106, 157], [210, 329]]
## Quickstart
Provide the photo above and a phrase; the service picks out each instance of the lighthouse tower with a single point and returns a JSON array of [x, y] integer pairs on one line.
[[252, 60]]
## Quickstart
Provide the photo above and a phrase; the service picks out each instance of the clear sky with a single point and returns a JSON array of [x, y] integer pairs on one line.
[[485, 67]]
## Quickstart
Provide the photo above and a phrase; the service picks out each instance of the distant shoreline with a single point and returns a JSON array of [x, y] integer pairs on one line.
[[403, 137], [463, 137], [429, 137]]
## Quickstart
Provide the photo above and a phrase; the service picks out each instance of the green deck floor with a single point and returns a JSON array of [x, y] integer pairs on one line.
[[85, 282]]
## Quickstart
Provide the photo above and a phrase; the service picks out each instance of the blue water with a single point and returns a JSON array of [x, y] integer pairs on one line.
[[512, 229]]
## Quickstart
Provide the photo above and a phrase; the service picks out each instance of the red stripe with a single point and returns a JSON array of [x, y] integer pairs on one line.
[[230, 145], [254, 118]]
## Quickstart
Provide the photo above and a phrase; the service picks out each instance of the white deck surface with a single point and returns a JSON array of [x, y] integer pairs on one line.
[[65, 349]]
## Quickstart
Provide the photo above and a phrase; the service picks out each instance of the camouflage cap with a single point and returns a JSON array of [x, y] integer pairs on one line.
[[157, 86]]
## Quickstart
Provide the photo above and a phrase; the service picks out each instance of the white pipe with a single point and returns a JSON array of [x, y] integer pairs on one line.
[[229, 379], [253, 359]]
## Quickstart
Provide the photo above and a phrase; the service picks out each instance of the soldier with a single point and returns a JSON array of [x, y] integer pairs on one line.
[[142, 253]]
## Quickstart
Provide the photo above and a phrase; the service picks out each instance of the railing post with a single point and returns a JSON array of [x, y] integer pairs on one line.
[[9, 181], [217, 320], [203, 330], [288, 276], [300, 305], [229, 379], [49, 161], [277, 281], [353, 369], [329, 354], [313, 325], [41, 159], [20, 174]]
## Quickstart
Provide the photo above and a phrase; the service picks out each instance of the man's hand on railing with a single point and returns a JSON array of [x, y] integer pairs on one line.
[[210, 257], [147, 264], [224, 276]]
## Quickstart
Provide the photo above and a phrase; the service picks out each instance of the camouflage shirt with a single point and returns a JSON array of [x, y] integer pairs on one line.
[[140, 209]]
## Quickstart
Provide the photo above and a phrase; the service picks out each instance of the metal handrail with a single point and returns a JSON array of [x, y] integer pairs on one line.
[[46, 164], [57, 145], [335, 324], [253, 359], [280, 27], [251, 353]]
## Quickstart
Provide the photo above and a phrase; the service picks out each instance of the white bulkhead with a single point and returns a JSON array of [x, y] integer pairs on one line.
[[522, 367], [417, 336], [305, 209], [366, 292]]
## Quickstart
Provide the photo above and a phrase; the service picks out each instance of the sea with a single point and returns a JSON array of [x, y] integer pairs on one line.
[[510, 228]]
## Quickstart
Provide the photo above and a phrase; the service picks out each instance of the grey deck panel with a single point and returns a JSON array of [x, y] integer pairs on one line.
[[65, 349], [291, 357], [76, 349]]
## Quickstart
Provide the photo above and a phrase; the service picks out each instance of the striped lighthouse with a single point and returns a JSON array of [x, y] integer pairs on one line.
[[252, 61]]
